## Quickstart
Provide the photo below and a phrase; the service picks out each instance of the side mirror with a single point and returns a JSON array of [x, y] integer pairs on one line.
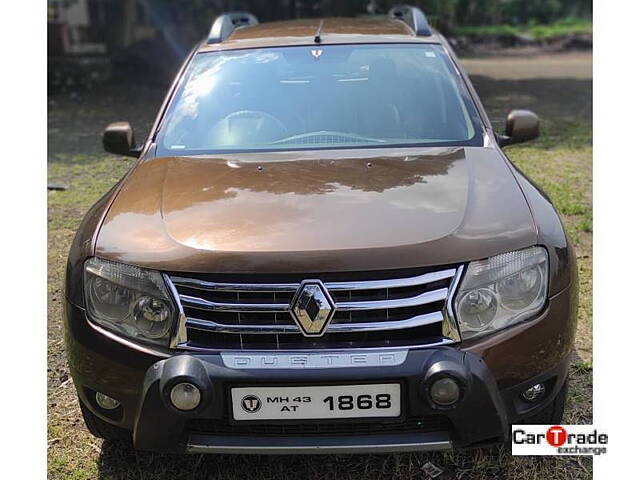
[[118, 138], [522, 126]]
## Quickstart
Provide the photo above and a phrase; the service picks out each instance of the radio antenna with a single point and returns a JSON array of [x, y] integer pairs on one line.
[[317, 38]]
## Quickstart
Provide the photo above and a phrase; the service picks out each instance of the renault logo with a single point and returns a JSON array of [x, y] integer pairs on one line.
[[312, 308]]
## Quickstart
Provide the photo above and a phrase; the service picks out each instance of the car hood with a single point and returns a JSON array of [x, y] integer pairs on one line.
[[317, 211]]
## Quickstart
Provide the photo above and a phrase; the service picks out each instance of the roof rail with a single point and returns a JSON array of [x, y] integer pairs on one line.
[[412, 16], [226, 23]]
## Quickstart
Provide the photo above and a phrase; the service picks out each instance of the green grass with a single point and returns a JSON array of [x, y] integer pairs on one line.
[[561, 28], [560, 163], [557, 29], [87, 178]]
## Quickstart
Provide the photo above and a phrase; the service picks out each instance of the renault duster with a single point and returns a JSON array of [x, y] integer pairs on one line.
[[321, 248]]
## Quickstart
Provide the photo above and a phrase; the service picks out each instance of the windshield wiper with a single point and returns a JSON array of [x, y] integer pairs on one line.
[[327, 137]]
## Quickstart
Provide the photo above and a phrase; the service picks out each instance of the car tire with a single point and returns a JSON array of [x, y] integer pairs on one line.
[[101, 429], [551, 414]]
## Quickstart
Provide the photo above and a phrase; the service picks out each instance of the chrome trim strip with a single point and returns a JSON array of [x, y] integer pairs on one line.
[[417, 321], [180, 333], [305, 359], [202, 304], [422, 299], [234, 287], [392, 283], [450, 326], [438, 343], [196, 444], [210, 326], [337, 286]]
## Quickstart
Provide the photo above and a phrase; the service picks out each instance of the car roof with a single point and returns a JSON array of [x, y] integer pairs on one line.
[[333, 31]]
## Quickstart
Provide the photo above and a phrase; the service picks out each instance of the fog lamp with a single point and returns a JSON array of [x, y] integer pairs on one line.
[[185, 396], [444, 391], [106, 402], [534, 393]]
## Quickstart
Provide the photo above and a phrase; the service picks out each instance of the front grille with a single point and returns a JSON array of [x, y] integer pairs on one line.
[[377, 309], [431, 423]]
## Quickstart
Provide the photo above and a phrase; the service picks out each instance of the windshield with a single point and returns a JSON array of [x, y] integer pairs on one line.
[[337, 96]]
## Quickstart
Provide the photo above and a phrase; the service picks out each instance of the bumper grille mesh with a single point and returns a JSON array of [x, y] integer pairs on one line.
[[432, 423]]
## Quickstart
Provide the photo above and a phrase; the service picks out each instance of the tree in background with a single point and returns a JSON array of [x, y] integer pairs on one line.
[[157, 34]]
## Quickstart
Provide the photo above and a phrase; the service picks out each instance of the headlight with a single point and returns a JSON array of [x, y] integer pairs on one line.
[[129, 300], [501, 291]]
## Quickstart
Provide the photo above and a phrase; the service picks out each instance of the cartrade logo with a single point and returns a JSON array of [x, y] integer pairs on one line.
[[558, 440]]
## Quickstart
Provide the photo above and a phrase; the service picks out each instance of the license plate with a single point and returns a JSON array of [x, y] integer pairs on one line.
[[316, 402]]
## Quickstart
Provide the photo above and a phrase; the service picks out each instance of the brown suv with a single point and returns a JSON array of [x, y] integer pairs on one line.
[[322, 248]]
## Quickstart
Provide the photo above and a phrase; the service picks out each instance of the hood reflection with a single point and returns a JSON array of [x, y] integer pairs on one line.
[[317, 211], [225, 204]]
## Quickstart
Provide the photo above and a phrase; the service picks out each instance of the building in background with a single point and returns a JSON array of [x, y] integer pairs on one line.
[[69, 29]]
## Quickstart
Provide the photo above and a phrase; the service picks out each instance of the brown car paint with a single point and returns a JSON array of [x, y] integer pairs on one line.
[[224, 214]]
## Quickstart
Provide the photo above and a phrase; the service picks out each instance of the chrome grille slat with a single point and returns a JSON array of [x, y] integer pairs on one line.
[[240, 329], [234, 287], [417, 321], [335, 286], [422, 299], [202, 304], [392, 283], [257, 315]]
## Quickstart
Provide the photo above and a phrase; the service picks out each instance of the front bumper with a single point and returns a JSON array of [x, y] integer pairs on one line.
[[141, 378], [214, 379]]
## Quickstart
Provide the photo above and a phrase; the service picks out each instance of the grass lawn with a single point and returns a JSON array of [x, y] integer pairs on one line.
[[560, 162]]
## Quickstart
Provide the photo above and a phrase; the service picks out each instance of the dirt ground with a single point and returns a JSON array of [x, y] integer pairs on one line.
[[557, 87], [569, 65]]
